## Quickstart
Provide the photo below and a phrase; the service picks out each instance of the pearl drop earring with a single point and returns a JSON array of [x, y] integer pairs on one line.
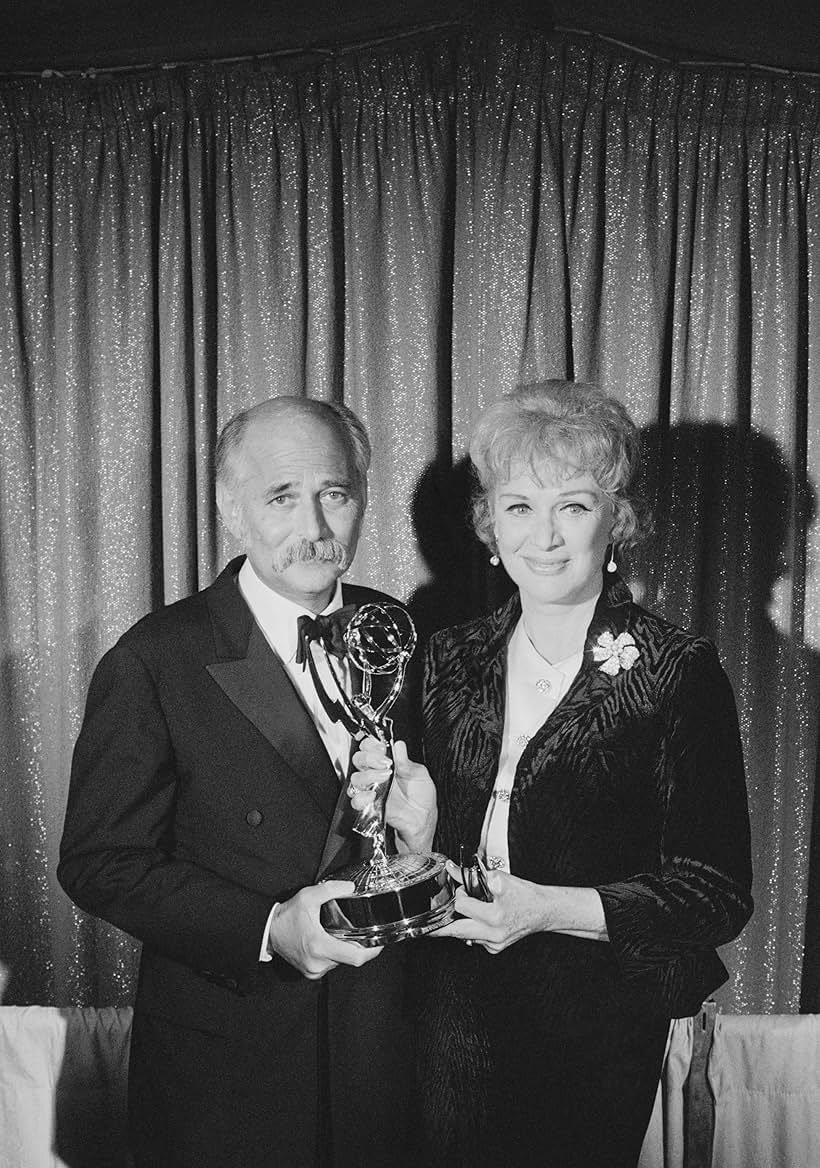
[[612, 566], [494, 560]]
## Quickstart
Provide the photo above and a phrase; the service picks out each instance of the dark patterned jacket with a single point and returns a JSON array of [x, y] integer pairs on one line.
[[634, 785]]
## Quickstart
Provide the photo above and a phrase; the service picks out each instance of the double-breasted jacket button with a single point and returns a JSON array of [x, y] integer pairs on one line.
[[254, 818]]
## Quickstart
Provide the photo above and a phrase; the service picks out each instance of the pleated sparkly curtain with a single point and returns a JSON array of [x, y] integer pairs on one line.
[[412, 230]]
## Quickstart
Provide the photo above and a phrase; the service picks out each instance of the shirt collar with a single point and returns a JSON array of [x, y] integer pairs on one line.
[[486, 639], [527, 661], [275, 614]]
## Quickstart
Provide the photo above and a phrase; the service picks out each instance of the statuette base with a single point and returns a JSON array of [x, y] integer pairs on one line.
[[395, 898]]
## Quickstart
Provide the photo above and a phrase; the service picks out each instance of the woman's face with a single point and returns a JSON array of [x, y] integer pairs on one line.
[[552, 532]]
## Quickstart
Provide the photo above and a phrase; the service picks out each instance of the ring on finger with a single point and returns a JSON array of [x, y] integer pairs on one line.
[[363, 790]]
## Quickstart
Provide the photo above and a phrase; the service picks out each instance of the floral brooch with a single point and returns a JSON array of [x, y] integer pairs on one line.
[[615, 653]]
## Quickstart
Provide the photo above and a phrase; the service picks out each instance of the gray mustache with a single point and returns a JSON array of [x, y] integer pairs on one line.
[[306, 551]]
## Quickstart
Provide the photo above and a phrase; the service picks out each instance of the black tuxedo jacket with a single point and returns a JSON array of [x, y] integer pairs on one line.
[[200, 794]]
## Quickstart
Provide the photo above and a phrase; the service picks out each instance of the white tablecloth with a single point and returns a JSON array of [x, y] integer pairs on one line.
[[764, 1071], [63, 1077]]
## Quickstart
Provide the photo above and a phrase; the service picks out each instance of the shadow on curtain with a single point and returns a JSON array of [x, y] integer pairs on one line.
[[723, 561]]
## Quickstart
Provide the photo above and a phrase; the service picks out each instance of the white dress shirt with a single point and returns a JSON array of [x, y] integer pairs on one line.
[[277, 617], [534, 689]]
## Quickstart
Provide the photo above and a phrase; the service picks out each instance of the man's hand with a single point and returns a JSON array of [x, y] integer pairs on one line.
[[411, 808], [297, 936]]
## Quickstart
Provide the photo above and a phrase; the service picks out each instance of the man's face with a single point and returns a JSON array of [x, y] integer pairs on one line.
[[295, 506]]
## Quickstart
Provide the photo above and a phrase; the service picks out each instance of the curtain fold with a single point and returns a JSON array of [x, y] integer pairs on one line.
[[412, 230], [764, 1075]]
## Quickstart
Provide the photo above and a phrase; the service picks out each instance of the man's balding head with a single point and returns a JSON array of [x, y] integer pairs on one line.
[[282, 410], [292, 488]]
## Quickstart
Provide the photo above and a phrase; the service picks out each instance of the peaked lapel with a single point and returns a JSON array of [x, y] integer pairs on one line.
[[478, 730], [253, 677], [340, 834], [590, 687], [486, 673]]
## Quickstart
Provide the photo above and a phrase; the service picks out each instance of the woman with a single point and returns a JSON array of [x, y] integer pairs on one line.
[[588, 752]]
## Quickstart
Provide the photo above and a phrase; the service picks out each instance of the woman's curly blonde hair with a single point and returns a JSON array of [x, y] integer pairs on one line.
[[567, 424]]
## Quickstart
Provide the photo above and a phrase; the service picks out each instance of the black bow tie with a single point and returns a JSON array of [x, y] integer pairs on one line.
[[328, 630]]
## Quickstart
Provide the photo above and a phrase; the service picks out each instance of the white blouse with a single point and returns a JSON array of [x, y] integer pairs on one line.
[[534, 689]]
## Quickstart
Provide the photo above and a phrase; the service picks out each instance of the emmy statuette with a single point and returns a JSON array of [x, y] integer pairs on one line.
[[395, 896]]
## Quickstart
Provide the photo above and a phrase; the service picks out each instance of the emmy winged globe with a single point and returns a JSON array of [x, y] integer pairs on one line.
[[395, 896]]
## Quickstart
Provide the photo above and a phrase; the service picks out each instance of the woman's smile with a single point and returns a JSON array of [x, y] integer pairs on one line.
[[545, 567], [552, 526]]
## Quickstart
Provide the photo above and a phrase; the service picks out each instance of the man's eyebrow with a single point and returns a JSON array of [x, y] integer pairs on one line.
[[282, 488]]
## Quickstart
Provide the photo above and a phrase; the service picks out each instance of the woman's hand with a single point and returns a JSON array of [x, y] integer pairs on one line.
[[519, 908], [411, 808]]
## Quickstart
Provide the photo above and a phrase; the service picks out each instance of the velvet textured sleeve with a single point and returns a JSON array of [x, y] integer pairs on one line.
[[700, 897]]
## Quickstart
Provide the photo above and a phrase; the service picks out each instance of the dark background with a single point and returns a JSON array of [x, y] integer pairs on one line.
[[69, 35]]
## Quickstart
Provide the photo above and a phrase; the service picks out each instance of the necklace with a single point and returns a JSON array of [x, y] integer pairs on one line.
[[575, 621], [579, 648]]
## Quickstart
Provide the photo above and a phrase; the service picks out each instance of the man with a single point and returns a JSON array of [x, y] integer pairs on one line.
[[208, 798]]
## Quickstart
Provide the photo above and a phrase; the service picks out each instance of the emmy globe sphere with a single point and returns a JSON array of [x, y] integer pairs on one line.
[[395, 896]]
